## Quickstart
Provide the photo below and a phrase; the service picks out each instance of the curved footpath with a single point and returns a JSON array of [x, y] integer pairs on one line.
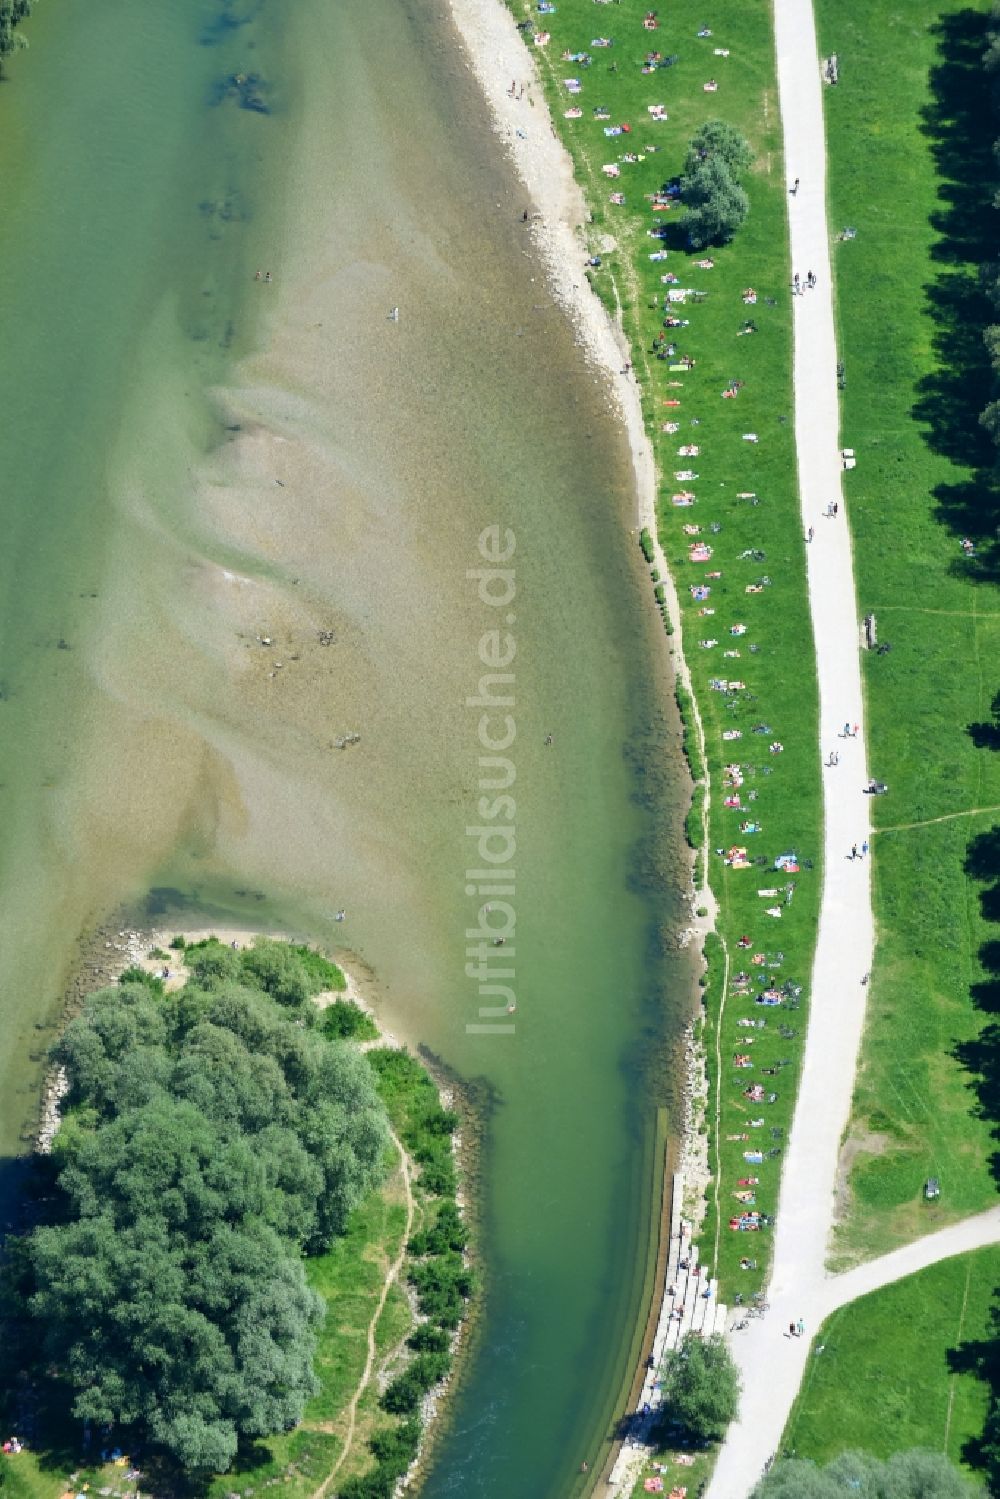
[[771, 1363]]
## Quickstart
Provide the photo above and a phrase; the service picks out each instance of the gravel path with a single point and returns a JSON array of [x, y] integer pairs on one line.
[[771, 1362]]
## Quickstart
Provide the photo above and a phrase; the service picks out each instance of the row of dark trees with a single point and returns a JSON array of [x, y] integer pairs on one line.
[[213, 1137], [991, 60]]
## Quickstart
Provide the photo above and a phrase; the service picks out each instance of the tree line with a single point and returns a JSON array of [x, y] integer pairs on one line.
[[12, 12], [990, 417]]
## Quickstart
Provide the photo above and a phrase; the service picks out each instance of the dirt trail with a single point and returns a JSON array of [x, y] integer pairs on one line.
[[390, 1280]]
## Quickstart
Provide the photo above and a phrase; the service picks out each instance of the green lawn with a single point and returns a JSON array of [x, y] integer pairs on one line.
[[909, 143], [775, 656], [893, 1349]]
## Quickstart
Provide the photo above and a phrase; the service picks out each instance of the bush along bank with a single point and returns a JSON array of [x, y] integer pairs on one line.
[[437, 1272]]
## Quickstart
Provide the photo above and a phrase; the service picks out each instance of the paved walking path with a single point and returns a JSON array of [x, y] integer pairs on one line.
[[771, 1362]]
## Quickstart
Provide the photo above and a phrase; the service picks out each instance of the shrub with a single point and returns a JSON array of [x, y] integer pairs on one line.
[[134, 975], [428, 1339], [321, 973], [396, 1448], [378, 1484], [646, 542], [213, 964], [443, 1285], [346, 1021], [404, 1394], [278, 969]]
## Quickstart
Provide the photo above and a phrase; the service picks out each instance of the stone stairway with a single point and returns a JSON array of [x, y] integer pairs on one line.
[[686, 1311]]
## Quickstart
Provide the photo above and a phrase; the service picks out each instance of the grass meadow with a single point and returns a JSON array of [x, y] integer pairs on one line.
[[910, 138], [912, 1350], [774, 657]]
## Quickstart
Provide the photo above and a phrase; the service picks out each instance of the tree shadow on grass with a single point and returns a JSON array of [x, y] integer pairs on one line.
[[981, 1055], [961, 124], [980, 1357]]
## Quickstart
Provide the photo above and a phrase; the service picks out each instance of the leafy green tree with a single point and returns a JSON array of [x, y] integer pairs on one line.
[[195, 1342], [115, 1025], [716, 204], [344, 1020], [721, 142], [703, 1390], [212, 964], [276, 968], [211, 1137]]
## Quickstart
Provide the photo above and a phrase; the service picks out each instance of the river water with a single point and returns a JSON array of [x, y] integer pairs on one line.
[[247, 521]]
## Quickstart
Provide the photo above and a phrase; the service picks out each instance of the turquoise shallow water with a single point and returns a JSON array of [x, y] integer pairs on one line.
[[219, 461]]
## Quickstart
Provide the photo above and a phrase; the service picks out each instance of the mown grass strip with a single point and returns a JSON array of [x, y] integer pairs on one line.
[[910, 138], [910, 1352]]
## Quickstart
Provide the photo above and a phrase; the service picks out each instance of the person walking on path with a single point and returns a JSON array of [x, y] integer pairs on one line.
[[810, 534], [854, 850], [794, 187], [864, 849]]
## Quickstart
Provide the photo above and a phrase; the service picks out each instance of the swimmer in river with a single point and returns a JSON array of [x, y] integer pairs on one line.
[[549, 739]]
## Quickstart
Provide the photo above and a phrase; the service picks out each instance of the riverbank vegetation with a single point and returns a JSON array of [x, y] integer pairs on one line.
[[206, 1283], [711, 350], [12, 13]]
